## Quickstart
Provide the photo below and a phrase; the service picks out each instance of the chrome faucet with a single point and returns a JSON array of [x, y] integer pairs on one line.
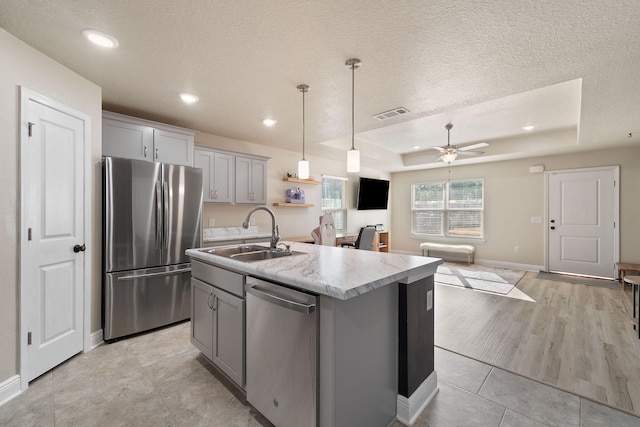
[[275, 231]]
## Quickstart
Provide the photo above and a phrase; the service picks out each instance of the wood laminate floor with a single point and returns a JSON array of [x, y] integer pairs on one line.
[[574, 337]]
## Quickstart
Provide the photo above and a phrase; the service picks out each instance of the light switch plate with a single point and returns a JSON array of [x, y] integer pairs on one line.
[[536, 220]]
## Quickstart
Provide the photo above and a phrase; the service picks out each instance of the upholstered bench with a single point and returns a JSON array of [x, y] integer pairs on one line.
[[467, 250]]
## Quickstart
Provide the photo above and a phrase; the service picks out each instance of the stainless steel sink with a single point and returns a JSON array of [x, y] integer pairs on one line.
[[264, 254], [230, 251], [250, 252]]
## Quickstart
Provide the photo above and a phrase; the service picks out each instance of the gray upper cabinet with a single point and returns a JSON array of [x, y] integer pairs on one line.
[[251, 180], [133, 138], [217, 175]]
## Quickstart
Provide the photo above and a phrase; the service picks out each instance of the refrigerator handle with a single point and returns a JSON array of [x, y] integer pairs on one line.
[[159, 216], [165, 190]]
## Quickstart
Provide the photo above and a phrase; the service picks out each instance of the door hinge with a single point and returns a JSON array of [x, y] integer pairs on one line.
[[30, 126], [28, 338], [29, 234]]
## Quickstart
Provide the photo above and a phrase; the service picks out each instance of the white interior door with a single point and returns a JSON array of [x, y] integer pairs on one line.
[[53, 282], [582, 213]]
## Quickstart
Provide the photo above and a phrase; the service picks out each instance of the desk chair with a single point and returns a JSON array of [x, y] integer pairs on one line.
[[325, 234], [364, 240]]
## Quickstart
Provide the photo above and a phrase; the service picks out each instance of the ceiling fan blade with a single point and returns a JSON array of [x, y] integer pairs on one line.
[[470, 153], [440, 149], [473, 146]]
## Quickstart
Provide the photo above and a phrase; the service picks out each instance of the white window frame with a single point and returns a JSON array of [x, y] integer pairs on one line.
[[444, 211], [333, 210]]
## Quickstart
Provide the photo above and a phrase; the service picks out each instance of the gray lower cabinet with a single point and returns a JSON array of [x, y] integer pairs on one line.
[[217, 322]]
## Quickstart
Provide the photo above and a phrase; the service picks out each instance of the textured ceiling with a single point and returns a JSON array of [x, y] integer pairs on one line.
[[484, 65]]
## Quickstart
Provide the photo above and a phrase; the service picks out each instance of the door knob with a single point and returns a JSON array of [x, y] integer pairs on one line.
[[78, 248], [553, 221], [553, 228]]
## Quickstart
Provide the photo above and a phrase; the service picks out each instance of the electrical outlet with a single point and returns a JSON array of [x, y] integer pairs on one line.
[[516, 249], [252, 221], [212, 222]]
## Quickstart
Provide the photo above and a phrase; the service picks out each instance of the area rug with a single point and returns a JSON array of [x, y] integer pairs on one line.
[[479, 277], [602, 283]]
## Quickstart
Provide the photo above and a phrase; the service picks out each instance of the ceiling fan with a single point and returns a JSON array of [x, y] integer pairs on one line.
[[448, 153]]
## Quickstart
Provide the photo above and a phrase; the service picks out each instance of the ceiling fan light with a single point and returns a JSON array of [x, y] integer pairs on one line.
[[353, 161], [449, 157]]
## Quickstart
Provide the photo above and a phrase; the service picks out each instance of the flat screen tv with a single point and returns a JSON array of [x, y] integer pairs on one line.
[[373, 194]]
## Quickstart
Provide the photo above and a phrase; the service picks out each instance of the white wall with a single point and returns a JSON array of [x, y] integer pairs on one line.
[[293, 222], [24, 66], [513, 195]]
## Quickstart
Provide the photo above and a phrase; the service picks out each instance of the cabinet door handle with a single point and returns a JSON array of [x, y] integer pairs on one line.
[[215, 303], [145, 151], [209, 303], [215, 194], [156, 153]]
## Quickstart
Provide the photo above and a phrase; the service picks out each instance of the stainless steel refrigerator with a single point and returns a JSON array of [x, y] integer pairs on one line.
[[152, 213]]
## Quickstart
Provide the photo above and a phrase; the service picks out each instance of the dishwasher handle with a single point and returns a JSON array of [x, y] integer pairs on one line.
[[280, 301]]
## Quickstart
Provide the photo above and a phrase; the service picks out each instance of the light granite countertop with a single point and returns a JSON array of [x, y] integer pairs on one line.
[[332, 271]]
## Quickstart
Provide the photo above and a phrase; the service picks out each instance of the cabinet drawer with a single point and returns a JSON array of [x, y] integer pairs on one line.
[[219, 277]]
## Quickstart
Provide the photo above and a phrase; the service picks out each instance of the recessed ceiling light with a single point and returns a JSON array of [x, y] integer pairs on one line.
[[529, 127], [416, 147], [269, 122], [101, 39], [188, 98]]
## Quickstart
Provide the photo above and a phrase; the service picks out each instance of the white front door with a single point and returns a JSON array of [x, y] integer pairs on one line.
[[582, 215], [53, 281]]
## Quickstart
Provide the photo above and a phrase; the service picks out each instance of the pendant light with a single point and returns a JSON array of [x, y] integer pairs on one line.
[[353, 155], [303, 165]]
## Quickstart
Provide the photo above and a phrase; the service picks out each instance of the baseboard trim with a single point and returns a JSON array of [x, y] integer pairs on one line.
[[9, 389], [511, 265], [97, 338], [409, 409]]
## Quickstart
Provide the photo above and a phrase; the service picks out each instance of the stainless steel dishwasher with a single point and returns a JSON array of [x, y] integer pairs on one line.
[[282, 353]]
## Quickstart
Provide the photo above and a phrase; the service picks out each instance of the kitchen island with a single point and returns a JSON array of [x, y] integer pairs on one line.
[[375, 330]]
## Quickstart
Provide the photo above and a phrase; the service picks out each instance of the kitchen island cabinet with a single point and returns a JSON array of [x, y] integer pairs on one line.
[[368, 342], [217, 318]]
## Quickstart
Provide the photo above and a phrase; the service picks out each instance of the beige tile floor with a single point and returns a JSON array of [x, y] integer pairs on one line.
[[160, 379]]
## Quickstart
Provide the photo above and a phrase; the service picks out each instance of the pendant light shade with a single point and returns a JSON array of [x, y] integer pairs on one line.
[[303, 169], [353, 155], [353, 160], [303, 165]]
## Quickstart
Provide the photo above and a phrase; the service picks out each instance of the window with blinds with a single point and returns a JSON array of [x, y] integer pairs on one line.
[[334, 201], [448, 209]]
